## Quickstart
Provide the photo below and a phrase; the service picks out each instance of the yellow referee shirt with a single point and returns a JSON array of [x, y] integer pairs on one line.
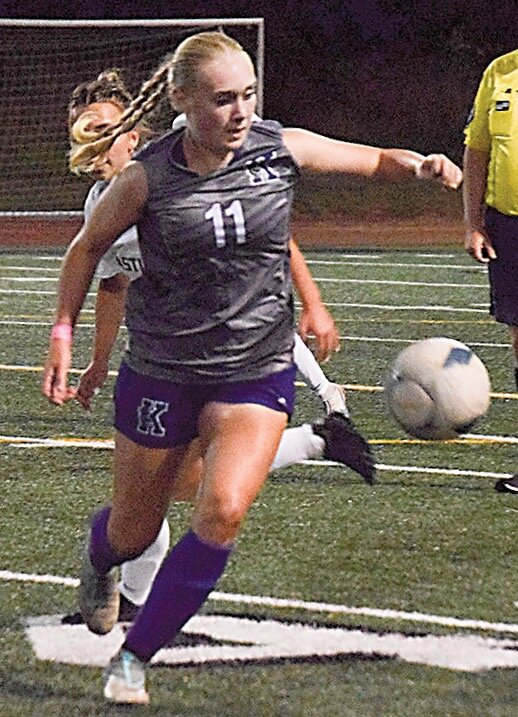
[[492, 127]]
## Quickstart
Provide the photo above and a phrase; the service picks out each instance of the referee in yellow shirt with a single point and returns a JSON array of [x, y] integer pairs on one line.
[[490, 194]]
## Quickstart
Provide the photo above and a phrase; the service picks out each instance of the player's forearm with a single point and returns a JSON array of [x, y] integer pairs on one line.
[[303, 282], [474, 189], [109, 313]]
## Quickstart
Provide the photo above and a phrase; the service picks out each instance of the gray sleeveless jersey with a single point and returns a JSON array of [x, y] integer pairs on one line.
[[214, 302]]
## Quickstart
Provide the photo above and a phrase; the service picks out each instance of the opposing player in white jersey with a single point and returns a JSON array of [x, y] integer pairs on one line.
[[94, 107]]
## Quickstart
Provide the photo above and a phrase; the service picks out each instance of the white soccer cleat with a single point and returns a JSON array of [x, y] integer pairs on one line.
[[125, 680]]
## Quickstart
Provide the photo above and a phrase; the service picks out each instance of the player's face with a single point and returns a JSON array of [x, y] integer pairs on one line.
[[117, 157], [221, 104]]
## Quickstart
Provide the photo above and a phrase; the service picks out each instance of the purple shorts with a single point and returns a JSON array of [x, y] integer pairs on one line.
[[161, 414], [503, 271]]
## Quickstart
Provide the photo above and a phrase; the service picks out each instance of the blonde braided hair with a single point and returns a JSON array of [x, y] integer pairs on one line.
[[178, 70]]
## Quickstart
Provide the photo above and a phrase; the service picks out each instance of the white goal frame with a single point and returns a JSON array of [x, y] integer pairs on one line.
[[194, 24]]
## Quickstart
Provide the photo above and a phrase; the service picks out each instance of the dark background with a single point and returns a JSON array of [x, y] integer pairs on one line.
[[391, 72], [385, 72]]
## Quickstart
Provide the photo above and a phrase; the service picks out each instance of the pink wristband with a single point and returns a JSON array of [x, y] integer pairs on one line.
[[61, 331]]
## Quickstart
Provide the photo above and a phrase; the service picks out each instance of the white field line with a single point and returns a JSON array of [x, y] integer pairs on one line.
[[377, 339], [107, 444], [380, 255], [310, 606], [421, 469], [345, 304], [6, 322], [34, 292], [360, 264], [39, 257], [392, 307], [429, 255], [388, 282], [25, 279], [393, 282], [26, 268]]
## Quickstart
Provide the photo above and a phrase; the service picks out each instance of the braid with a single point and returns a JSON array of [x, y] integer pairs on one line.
[[86, 146], [178, 70]]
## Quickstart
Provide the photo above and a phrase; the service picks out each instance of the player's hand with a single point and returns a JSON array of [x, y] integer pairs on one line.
[[479, 246], [91, 381], [54, 384], [317, 321], [438, 167]]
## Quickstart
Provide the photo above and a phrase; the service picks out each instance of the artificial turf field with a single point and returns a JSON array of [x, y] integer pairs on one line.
[[341, 599]]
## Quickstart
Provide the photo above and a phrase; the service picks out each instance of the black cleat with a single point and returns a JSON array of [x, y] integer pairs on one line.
[[127, 613], [507, 485], [345, 445]]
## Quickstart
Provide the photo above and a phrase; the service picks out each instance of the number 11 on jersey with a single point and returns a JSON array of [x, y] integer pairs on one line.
[[216, 214]]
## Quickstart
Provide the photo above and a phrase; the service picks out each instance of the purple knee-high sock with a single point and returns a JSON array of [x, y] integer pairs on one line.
[[182, 585], [102, 555]]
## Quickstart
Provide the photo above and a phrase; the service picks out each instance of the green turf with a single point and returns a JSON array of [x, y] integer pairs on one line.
[[434, 543]]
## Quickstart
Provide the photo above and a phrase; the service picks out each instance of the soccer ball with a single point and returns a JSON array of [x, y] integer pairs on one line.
[[437, 388]]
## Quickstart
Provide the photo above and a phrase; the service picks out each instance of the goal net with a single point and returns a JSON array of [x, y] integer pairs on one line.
[[43, 60]]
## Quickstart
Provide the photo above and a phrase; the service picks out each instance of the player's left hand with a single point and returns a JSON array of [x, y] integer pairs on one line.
[[438, 167], [317, 321], [91, 381]]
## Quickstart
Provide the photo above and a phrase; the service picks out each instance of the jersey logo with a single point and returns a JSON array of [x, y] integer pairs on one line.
[[150, 413], [259, 171], [502, 105], [131, 264]]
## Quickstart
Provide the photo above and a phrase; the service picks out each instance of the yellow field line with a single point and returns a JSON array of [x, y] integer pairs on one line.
[[471, 441], [299, 384], [71, 441]]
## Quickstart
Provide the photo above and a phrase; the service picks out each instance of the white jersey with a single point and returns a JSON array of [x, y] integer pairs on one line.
[[123, 257]]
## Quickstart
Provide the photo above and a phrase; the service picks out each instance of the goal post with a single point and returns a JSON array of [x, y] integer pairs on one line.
[[42, 61]]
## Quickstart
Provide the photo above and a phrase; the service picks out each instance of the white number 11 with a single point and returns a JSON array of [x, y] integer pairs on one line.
[[235, 210]]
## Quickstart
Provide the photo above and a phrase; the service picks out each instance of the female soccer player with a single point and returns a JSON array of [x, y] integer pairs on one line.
[[210, 322], [94, 107]]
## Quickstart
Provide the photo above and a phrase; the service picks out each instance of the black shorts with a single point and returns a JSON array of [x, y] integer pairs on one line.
[[503, 271]]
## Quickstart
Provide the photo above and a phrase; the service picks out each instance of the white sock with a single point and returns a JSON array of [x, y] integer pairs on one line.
[[137, 575], [318, 381], [298, 444], [309, 367]]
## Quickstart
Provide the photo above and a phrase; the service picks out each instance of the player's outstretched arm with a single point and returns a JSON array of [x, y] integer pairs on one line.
[[322, 154]]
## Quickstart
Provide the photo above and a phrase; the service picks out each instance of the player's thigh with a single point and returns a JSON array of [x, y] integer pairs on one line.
[[238, 442], [185, 488], [144, 479]]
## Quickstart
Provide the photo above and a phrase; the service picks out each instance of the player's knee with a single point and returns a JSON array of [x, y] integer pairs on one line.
[[220, 522]]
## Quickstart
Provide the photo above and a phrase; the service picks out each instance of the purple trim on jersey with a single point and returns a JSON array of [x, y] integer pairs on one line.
[[503, 271], [161, 414]]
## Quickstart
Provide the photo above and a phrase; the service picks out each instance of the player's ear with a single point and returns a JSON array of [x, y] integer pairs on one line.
[[179, 99], [133, 139]]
